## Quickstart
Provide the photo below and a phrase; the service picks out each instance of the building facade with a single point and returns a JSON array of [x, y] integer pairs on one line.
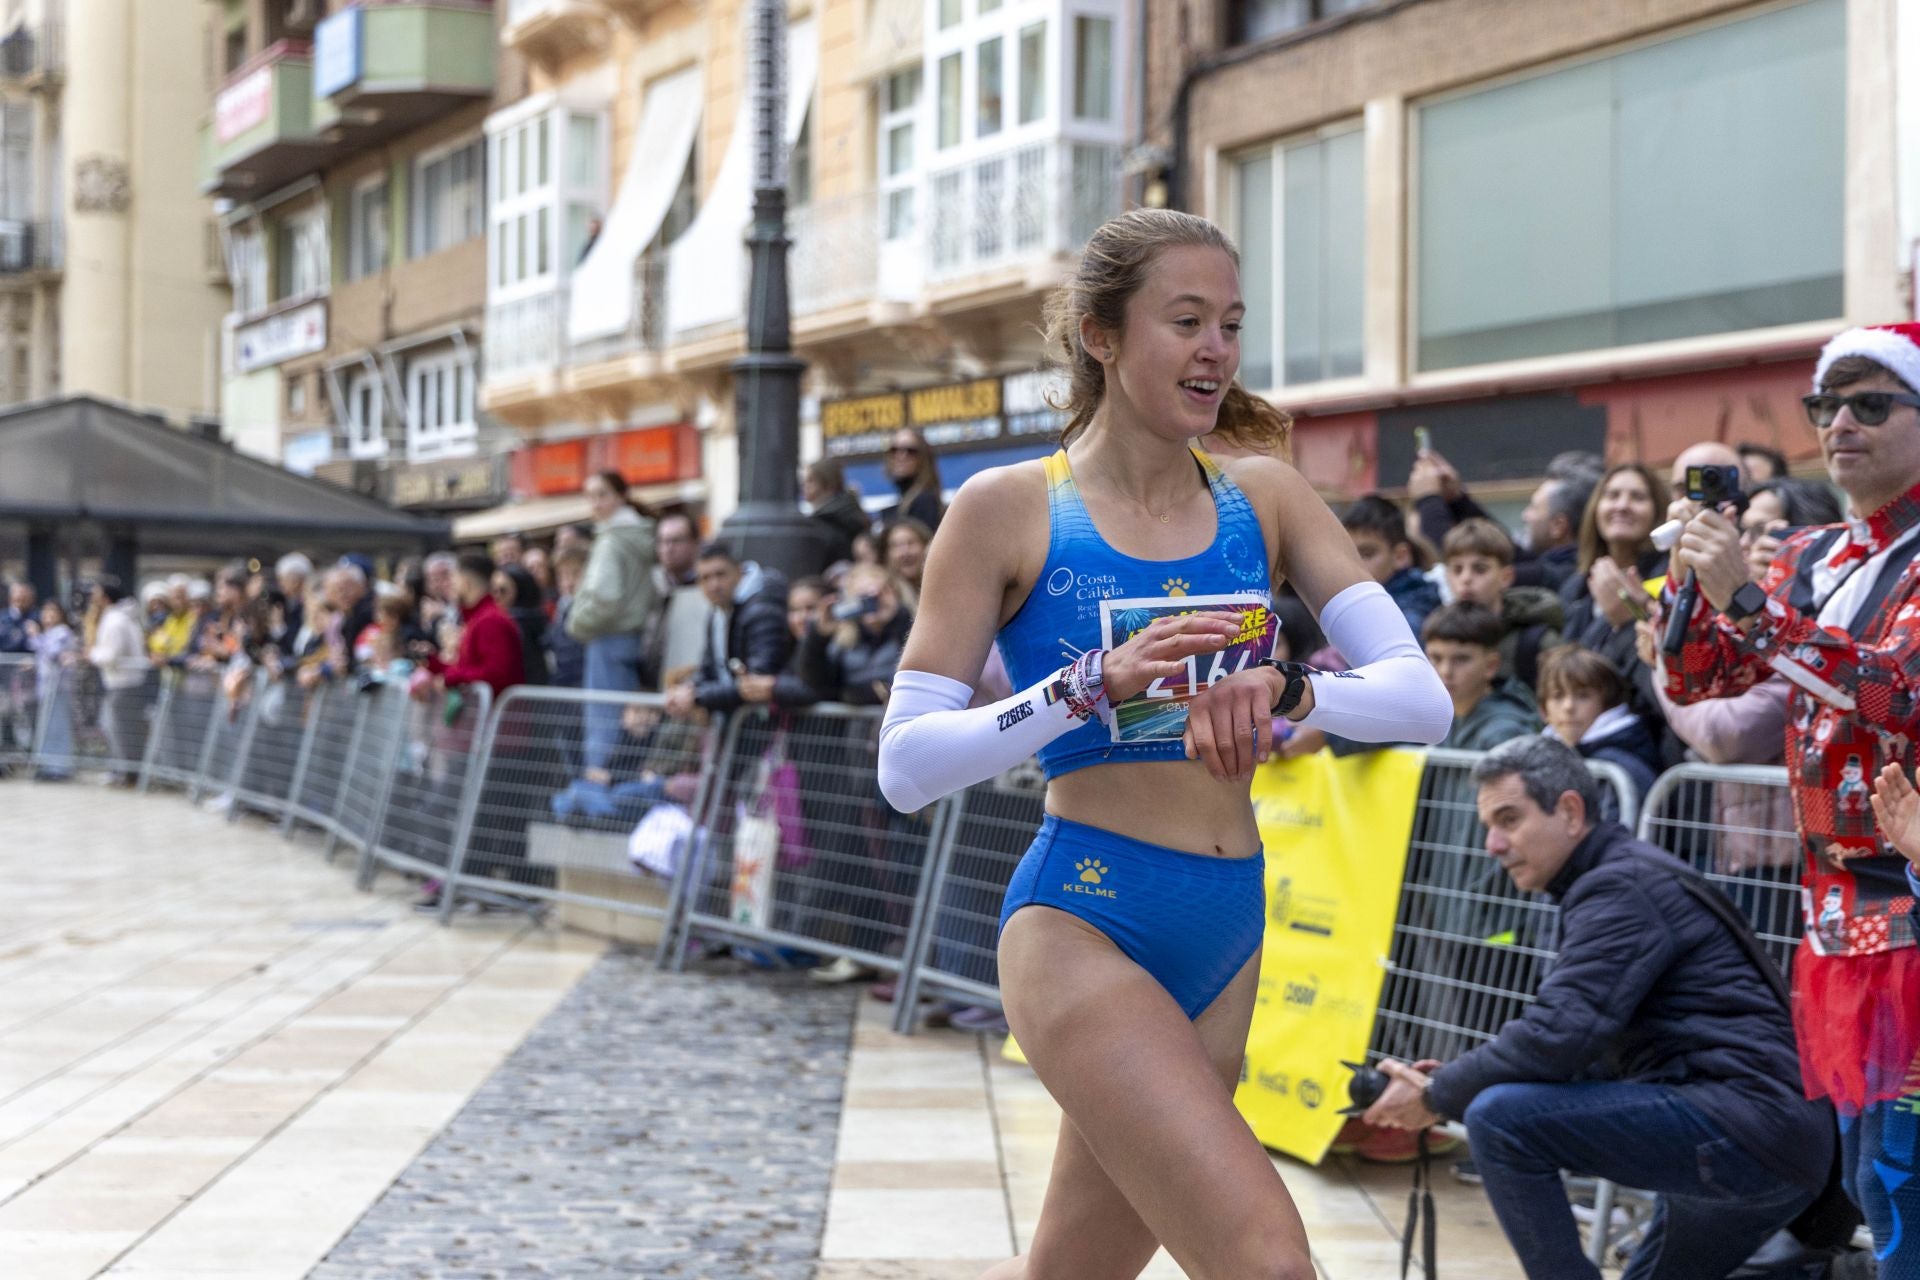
[[346, 146], [947, 157], [1530, 227], [107, 286]]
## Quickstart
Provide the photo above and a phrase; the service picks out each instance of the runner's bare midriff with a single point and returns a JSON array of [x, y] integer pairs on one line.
[[1166, 802]]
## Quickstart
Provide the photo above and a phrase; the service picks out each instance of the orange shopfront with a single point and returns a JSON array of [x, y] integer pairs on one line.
[[661, 464]]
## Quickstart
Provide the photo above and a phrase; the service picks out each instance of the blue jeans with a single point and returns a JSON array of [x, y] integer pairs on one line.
[[1717, 1203], [1877, 1162], [613, 664]]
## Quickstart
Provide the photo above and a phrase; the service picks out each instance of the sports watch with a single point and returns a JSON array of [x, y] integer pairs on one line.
[[1296, 674], [1747, 600]]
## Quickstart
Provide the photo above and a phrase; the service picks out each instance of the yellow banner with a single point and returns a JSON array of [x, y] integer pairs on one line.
[[1336, 833]]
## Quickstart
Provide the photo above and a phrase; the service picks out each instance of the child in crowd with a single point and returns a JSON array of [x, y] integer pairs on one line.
[[1379, 533], [1479, 558], [1584, 697], [1463, 640]]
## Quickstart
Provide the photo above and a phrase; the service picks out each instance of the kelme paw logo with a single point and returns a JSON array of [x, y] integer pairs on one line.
[[1175, 586], [1091, 870]]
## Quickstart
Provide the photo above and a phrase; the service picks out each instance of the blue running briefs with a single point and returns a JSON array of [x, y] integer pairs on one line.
[[1189, 920]]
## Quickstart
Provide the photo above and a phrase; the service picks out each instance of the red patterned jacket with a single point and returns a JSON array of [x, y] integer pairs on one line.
[[1855, 706]]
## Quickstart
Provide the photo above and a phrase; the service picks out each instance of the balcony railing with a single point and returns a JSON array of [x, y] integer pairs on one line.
[[836, 252], [526, 336], [1040, 199]]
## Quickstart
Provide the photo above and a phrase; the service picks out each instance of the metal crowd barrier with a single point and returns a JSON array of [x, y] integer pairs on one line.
[[366, 775], [85, 726], [518, 823], [424, 783], [188, 706], [269, 755], [333, 729], [955, 952], [226, 733], [19, 710], [800, 851]]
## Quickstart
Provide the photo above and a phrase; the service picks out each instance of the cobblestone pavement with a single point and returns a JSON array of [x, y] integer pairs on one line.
[[653, 1126]]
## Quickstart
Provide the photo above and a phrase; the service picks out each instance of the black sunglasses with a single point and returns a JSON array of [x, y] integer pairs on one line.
[[1870, 408]]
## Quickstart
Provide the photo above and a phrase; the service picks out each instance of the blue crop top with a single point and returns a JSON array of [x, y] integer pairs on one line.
[[1091, 596]]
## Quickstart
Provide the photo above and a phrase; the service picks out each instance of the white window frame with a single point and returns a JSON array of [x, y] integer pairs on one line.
[[312, 263], [361, 262], [434, 382], [1276, 150], [460, 227], [514, 213], [246, 252], [363, 418], [902, 187]]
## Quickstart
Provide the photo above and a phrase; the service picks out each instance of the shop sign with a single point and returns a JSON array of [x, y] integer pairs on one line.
[[1024, 399], [300, 331], [556, 468], [650, 455], [243, 104], [336, 53], [959, 413], [475, 480]]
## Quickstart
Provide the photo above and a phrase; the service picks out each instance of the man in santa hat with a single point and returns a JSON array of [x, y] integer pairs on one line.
[[1839, 616]]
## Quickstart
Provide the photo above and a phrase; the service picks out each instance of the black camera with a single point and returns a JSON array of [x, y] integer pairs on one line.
[[1713, 486], [1364, 1088]]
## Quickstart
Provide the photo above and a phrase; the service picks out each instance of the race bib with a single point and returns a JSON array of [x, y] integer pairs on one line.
[[1158, 713]]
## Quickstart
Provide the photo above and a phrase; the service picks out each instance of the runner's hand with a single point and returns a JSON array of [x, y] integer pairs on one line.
[[1230, 726], [1896, 809], [1162, 650]]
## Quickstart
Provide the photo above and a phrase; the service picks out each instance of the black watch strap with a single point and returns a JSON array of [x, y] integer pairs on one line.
[[1296, 674], [1747, 600]]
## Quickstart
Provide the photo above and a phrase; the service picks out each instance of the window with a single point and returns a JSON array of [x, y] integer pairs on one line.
[[900, 100], [988, 74], [233, 49], [440, 407], [300, 263], [365, 416], [1033, 72], [297, 396], [16, 161], [949, 13], [1684, 188], [547, 191], [1250, 20], [800, 164], [448, 197], [367, 228], [1092, 68], [1300, 214], [246, 268], [949, 101]]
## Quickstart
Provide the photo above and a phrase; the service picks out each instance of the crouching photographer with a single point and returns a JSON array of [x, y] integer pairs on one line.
[[1659, 1052]]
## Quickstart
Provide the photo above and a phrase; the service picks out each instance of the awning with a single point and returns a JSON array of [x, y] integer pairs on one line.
[[603, 283], [543, 515], [707, 267], [87, 460], [893, 38]]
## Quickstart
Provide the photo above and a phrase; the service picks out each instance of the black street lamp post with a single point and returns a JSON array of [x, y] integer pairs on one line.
[[768, 526]]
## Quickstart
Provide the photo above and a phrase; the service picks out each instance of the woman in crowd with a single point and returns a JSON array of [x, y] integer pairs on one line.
[[515, 591], [911, 467], [1617, 560], [55, 647], [1130, 936], [120, 654], [906, 558], [608, 611]]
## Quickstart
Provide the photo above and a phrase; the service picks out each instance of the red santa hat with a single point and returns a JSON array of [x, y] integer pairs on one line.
[[1895, 347]]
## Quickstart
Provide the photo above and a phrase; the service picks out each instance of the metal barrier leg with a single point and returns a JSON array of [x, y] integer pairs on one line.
[[346, 769], [920, 930], [162, 717], [315, 710], [249, 730], [369, 853], [204, 760], [1600, 1237], [691, 873], [489, 732]]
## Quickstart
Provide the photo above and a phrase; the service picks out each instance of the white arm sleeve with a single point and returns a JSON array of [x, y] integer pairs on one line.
[[1392, 693], [931, 745]]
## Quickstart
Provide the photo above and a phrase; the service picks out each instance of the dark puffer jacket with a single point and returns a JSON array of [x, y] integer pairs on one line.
[[1650, 986], [849, 673], [757, 637]]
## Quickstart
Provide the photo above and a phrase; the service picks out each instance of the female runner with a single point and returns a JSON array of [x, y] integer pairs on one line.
[[1130, 937]]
